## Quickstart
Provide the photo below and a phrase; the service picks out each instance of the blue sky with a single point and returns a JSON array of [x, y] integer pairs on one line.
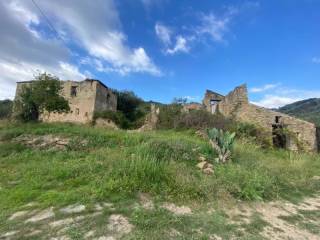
[[162, 49]]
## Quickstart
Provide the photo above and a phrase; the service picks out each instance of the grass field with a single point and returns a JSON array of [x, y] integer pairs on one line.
[[101, 165]]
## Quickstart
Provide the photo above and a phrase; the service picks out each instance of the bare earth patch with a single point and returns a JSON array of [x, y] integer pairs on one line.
[[146, 201], [272, 212], [42, 215], [182, 210], [119, 224], [18, 215], [75, 208]]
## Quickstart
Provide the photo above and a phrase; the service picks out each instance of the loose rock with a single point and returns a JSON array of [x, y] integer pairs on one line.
[[202, 165]]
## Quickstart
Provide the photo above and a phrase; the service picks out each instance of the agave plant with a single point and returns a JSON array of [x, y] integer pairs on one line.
[[222, 142]]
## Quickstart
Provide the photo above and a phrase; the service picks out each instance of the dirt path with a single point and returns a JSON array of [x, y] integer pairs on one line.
[[277, 221], [284, 220]]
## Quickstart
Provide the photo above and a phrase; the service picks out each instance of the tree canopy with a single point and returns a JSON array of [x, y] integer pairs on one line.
[[41, 95]]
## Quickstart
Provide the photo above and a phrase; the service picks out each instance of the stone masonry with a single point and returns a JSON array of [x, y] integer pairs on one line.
[[236, 105], [85, 98]]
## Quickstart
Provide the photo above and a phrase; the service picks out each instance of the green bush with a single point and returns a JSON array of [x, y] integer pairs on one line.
[[168, 114], [199, 119], [116, 116], [41, 95], [5, 108], [253, 133]]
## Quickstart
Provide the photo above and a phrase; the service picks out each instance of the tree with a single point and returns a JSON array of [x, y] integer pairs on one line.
[[41, 95], [5, 108], [128, 103]]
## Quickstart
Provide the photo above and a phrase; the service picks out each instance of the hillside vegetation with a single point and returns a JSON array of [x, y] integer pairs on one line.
[[98, 165], [308, 109], [5, 108]]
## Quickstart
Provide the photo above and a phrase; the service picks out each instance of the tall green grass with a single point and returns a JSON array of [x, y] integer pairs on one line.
[[163, 163]]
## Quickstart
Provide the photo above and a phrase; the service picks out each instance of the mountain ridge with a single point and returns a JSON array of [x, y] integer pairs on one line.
[[308, 109]]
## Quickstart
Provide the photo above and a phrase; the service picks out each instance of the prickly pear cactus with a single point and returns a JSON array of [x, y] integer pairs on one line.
[[222, 142]]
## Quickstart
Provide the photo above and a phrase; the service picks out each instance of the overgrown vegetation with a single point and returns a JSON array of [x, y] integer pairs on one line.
[[222, 142], [131, 110], [5, 109], [40, 95], [159, 162]]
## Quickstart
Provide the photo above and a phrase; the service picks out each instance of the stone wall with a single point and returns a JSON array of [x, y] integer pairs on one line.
[[151, 119], [84, 99], [303, 131], [236, 105], [192, 106], [231, 103], [210, 95], [105, 99]]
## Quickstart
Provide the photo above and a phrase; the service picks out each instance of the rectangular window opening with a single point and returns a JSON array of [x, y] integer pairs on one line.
[[73, 91]]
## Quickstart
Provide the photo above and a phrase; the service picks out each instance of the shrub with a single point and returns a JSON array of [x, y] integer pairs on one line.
[[256, 134], [133, 109], [43, 94], [117, 117], [167, 115], [201, 119], [222, 142], [5, 108]]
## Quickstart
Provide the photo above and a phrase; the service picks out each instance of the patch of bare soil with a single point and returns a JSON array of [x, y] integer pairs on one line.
[[119, 225], [46, 141], [145, 201], [277, 227], [177, 210], [42, 215]]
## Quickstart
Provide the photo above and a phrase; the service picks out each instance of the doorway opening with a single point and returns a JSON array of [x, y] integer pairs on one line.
[[279, 137]]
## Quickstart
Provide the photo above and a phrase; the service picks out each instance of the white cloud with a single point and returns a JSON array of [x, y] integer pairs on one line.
[[207, 26], [316, 60], [213, 26], [192, 98], [271, 101], [24, 53], [263, 88], [180, 46], [284, 96], [164, 33], [97, 28]]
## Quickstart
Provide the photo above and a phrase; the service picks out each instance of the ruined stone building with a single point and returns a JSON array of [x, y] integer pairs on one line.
[[236, 105], [85, 98]]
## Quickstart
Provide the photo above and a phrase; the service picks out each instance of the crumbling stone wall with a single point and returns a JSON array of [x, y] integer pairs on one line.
[[105, 99], [151, 119], [192, 106], [84, 99], [232, 103], [236, 105], [300, 130], [208, 97]]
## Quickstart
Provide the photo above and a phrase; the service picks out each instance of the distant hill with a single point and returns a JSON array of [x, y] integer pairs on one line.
[[308, 109]]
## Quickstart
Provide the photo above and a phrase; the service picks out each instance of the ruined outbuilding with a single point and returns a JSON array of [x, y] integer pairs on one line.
[[84, 97], [235, 105]]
